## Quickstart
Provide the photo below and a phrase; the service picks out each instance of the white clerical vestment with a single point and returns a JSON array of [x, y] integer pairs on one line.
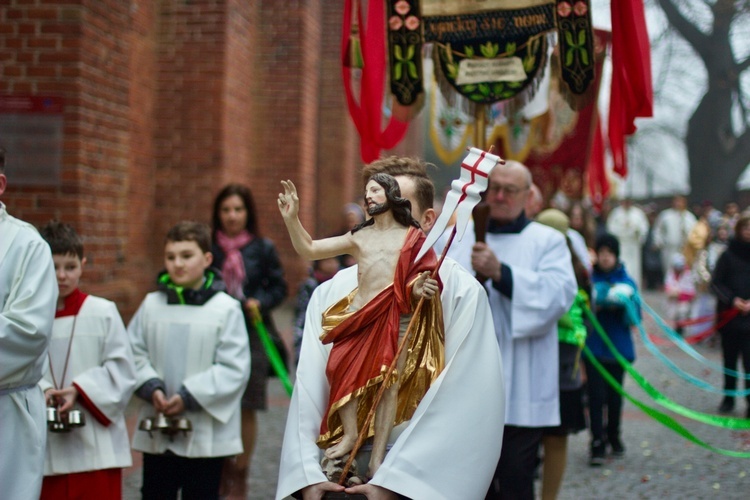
[[28, 297], [580, 248], [205, 348], [630, 226], [671, 231], [101, 367], [450, 447], [544, 287]]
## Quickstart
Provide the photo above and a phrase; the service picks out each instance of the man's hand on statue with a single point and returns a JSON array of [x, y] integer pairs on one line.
[[288, 201], [425, 286], [484, 262], [316, 491], [372, 492]]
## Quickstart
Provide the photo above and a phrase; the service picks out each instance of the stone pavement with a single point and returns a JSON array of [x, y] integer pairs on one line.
[[658, 462]]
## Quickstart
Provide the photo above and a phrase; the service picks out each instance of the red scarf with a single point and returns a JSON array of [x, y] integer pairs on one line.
[[234, 268]]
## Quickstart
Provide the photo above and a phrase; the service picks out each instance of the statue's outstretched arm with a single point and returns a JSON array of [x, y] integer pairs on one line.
[[304, 245]]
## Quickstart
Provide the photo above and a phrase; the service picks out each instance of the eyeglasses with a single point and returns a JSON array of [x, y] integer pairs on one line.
[[507, 190]]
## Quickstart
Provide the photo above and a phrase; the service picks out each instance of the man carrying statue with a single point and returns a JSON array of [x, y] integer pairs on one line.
[[364, 326], [447, 442]]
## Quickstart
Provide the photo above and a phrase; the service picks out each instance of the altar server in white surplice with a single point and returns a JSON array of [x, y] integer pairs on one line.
[[527, 271], [672, 229], [90, 370], [450, 446], [630, 225], [28, 295], [192, 361]]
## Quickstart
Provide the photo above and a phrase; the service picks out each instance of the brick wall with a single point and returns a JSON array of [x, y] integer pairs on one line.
[[77, 51], [165, 102], [143, 245], [288, 117]]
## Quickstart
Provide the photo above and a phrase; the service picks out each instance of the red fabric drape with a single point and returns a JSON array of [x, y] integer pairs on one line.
[[367, 341], [632, 90], [367, 113]]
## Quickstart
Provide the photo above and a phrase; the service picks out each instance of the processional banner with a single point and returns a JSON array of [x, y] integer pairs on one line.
[[487, 50], [556, 145]]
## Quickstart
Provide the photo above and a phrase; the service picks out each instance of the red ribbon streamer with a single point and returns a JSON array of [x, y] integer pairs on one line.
[[724, 318], [632, 90]]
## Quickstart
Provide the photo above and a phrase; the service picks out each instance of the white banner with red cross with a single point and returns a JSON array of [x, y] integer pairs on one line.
[[463, 196]]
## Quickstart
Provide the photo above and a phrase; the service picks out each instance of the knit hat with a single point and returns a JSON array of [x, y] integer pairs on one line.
[[609, 241], [555, 219]]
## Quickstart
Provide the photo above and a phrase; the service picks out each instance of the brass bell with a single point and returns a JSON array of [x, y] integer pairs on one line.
[[147, 424], [182, 424], [76, 418], [52, 415], [55, 422], [161, 422]]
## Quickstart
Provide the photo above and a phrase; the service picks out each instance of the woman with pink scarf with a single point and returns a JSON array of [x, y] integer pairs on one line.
[[253, 274]]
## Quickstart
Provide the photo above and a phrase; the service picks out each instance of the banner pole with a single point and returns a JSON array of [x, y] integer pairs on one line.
[[480, 124]]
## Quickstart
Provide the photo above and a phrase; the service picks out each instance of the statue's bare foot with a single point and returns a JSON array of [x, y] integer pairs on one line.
[[342, 448], [355, 481], [373, 468]]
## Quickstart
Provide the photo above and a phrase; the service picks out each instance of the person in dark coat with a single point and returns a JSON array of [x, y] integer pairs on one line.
[[253, 275], [731, 284]]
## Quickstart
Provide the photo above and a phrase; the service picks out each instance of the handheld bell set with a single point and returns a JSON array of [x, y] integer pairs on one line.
[[59, 422], [56, 420], [165, 425]]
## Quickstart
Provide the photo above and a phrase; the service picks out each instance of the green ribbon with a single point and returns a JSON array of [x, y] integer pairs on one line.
[[273, 354], [658, 397]]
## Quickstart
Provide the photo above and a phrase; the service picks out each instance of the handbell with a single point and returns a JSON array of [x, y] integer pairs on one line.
[[161, 423], [52, 415], [182, 424], [147, 424], [76, 418]]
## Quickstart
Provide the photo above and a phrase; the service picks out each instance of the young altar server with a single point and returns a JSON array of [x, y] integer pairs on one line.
[[91, 370], [192, 361]]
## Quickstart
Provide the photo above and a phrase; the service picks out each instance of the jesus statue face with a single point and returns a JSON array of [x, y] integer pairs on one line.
[[375, 199]]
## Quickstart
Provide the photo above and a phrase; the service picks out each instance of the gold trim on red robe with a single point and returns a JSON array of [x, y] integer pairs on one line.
[[360, 357]]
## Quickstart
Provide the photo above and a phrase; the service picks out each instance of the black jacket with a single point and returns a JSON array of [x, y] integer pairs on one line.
[[730, 279], [264, 277]]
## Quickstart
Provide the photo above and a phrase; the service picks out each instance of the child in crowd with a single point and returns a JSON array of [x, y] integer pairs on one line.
[[192, 361], [90, 370], [322, 271], [679, 286], [615, 311]]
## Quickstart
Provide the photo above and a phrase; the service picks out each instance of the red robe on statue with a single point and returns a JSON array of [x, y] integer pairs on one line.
[[366, 341]]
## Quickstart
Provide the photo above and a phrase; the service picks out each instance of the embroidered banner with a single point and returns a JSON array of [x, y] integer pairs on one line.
[[493, 54], [576, 50], [555, 145], [488, 51], [405, 50]]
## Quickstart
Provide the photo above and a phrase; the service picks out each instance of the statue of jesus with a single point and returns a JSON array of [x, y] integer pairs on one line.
[[365, 326]]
